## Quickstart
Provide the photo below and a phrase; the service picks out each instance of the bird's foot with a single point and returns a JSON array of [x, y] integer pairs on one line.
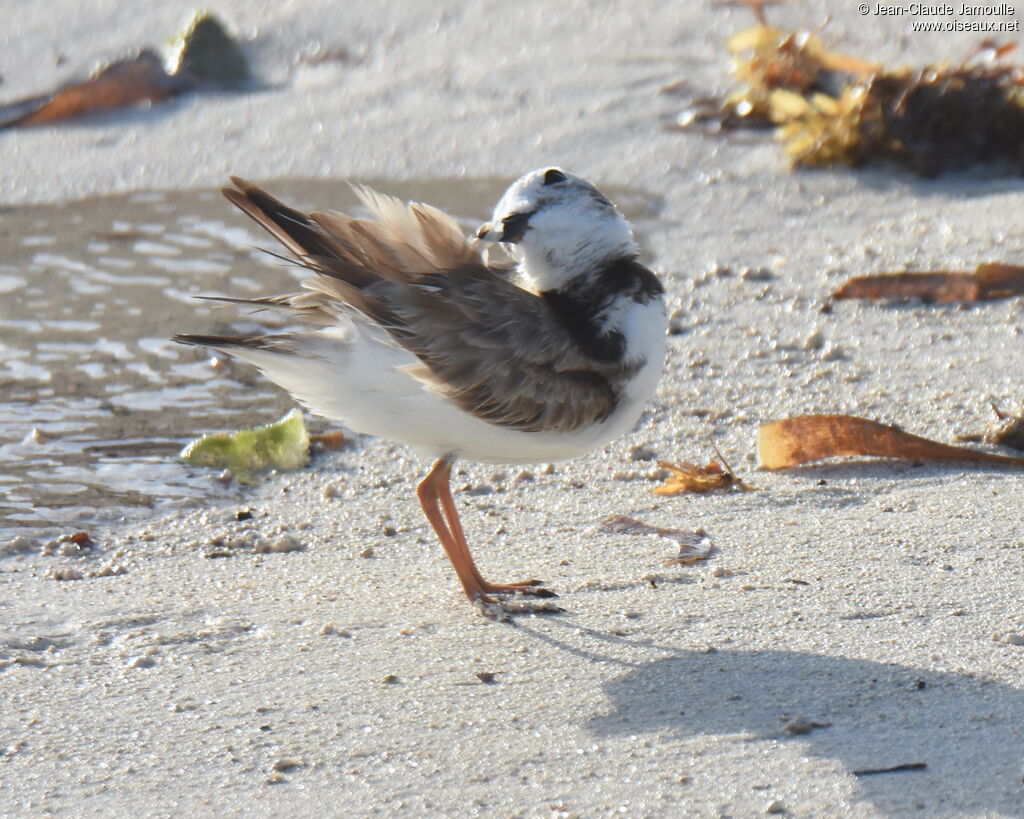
[[533, 588], [510, 600]]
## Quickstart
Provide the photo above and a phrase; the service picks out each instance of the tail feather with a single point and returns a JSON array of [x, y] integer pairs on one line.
[[224, 342], [258, 303], [314, 246], [363, 265], [290, 227]]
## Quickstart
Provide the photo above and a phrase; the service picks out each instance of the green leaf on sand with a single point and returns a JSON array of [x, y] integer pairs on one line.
[[281, 445]]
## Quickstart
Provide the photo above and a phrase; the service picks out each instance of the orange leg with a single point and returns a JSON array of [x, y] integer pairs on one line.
[[451, 515], [435, 495]]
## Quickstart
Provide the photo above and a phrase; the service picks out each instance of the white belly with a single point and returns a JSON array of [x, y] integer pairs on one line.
[[355, 375]]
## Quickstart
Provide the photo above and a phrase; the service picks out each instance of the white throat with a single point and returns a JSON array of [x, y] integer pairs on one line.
[[563, 246]]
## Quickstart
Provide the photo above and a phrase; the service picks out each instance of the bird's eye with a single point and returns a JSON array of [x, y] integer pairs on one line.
[[553, 177]]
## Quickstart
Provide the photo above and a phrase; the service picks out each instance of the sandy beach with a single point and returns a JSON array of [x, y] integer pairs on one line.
[[856, 616]]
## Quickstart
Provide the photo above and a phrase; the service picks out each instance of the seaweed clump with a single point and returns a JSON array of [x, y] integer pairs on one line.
[[834, 109]]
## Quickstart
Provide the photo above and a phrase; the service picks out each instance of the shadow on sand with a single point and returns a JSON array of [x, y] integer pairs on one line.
[[969, 731]]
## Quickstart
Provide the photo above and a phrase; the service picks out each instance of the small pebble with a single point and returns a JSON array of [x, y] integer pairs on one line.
[[756, 274], [799, 725], [211, 552], [66, 573], [815, 341], [334, 490], [390, 679], [288, 763], [17, 546], [276, 778], [642, 453], [145, 661], [775, 807], [111, 569], [677, 323], [721, 571], [68, 545], [231, 542], [37, 436], [284, 543], [1011, 638]]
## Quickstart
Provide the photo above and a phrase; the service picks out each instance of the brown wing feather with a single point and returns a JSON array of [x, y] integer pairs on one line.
[[442, 236], [489, 346], [524, 370], [292, 228]]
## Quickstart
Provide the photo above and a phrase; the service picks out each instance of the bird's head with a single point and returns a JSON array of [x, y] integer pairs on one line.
[[559, 226]]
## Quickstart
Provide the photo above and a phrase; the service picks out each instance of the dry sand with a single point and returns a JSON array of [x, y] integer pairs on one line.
[[345, 678]]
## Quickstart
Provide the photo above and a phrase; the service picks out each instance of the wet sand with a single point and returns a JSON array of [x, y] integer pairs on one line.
[[303, 646]]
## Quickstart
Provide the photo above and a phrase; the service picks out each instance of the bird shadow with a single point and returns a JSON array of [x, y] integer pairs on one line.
[[864, 715]]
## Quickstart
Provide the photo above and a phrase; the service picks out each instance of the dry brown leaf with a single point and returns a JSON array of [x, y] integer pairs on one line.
[[688, 477], [793, 441], [693, 546], [990, 280], [124, 83], [203, 56]]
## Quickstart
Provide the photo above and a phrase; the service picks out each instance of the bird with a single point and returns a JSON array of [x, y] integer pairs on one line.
[[406, 330]]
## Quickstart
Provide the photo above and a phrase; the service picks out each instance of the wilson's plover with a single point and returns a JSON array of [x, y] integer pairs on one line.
[[409, 334]]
